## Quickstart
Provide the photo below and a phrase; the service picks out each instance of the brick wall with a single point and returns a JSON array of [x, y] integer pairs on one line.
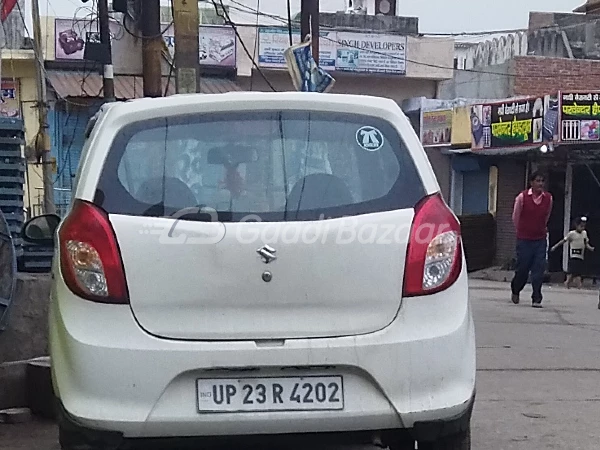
[[536, 75], [511, 181]]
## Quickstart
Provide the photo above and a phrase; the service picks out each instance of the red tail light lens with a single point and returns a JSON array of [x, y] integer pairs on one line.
[[90, 259], [434, 258]]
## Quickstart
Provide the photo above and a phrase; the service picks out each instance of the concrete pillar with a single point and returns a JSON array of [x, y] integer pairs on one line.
[[567, 220]]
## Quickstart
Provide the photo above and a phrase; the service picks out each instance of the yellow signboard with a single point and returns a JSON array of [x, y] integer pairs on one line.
[[461, 127]]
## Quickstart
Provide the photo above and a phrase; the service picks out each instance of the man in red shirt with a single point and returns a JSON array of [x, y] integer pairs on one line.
[[530, 215]]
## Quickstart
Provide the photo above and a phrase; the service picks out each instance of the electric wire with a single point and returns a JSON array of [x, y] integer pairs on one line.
[[233, 25], [250, 10]]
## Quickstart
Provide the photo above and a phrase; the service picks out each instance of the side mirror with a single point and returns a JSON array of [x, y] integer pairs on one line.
[[41, 229]]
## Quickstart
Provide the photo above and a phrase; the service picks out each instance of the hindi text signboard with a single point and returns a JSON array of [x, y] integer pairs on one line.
[[436, 128], [579, 117], [9, 102], [512, 123]]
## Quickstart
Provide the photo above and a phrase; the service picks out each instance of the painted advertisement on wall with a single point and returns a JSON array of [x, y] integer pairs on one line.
[[9, 100], [71, 35], [273, 41], [512, 123], [436, 128], [579, 117], [217, 45], [371, 53]]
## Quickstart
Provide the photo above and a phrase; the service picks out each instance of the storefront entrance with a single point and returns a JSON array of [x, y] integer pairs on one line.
[[586, 202], [556, 186]]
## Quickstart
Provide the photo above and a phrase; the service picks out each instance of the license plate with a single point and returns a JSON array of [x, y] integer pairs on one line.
[[270, 394]]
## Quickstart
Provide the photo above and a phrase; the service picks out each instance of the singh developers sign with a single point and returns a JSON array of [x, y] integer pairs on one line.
[[338, 51], [371, 53], [511, 123]]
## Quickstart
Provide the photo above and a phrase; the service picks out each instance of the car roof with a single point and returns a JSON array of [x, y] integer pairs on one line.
[[179, 103]]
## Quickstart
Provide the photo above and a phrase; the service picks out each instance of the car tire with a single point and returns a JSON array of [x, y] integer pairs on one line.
[[461, 441]]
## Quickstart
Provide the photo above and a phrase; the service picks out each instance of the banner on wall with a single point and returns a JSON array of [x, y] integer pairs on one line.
[[579, 117], [71, 35], [461, 127], [436, 128], [273, 42], [217, 45], [9, 102], [339, 51], [371, 53], [511, 123]]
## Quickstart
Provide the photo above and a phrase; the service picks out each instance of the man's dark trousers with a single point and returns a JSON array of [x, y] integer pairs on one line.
[[531, 257]]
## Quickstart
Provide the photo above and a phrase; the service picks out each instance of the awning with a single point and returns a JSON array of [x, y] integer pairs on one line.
[[76, 84], [492, 152]]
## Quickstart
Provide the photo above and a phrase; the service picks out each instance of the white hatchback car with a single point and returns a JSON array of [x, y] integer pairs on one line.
[[259, 265]]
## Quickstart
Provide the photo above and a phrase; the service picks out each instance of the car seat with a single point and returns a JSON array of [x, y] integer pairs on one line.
[[177, 194], [318, 191]]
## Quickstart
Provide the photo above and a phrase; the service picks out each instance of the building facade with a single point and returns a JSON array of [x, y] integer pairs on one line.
[[366, 54], [562, 65]]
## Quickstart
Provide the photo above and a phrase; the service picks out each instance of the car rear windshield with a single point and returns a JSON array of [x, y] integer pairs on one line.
[[274, 166]]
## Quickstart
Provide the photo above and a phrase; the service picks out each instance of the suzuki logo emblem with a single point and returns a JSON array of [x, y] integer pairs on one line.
[[267, 253]]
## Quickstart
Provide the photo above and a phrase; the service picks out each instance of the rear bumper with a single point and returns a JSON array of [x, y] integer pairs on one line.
[[416, 374], [421, 431]]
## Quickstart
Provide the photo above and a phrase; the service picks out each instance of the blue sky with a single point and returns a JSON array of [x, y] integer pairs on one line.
[[434, 15]]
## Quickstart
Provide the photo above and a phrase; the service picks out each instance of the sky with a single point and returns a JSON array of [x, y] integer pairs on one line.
[[435, 16]]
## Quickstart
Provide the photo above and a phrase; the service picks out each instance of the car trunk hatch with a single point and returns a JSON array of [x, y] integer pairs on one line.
[[312, 279]]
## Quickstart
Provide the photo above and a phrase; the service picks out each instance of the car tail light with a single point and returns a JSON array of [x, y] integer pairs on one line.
[[90, 259], [434, 257]]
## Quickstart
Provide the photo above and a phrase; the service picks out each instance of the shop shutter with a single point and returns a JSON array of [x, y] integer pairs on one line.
[[70, 122]]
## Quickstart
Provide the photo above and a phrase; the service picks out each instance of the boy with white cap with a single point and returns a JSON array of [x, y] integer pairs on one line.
[[578, 243]]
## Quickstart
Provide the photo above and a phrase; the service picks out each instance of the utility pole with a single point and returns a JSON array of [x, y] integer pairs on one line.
[[152, 48], [314, 25], [186, 21], [309, 24], [304, 19], [108, 78], [42, 140]]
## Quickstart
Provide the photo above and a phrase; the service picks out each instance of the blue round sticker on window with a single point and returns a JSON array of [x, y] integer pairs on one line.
[[369, 138]]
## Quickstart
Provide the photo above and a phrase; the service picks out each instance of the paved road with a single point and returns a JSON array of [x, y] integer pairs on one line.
[[538, 380]]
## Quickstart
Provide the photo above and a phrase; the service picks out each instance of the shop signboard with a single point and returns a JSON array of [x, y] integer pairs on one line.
[[9, 101], [579, 117], [274, 41], [512, 123], [436, 128], [70, 36], [338, 51], [217, 45], [461, 127], [371, 53]]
